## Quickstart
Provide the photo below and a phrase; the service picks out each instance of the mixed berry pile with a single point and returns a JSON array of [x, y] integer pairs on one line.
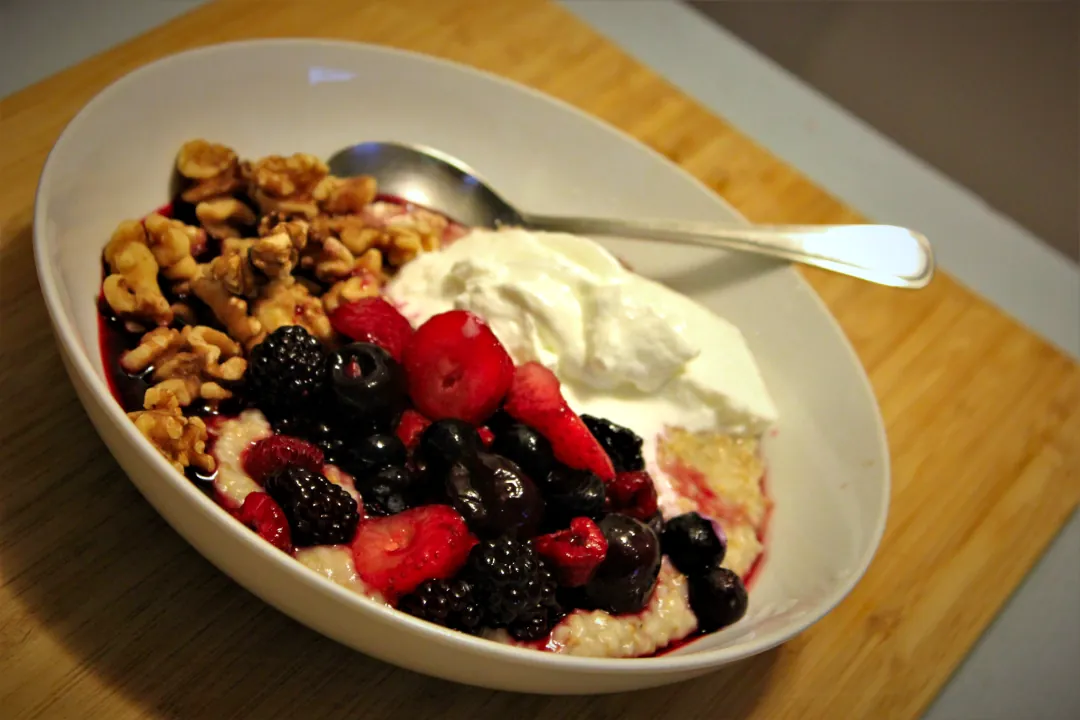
[[486, 502], [481, 499]]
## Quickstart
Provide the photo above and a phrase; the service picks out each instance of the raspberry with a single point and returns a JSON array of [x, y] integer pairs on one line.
[[411, 427], [450, 603], [574, 553], [319, 512], [373, 320], [622, 444], [633, 494], [395, 554], [287, 370], [511, 582], [260, 513], [278, 452], [536, 400], [456, 368]]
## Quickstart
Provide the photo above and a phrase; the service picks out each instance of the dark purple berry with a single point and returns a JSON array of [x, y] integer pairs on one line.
[[368, 382], [494, 496], [375, 452], [387, 491], [570, 493], [444, 442], [691, 543], [718, 598], [624, 581], [527, 448], [622, 444]]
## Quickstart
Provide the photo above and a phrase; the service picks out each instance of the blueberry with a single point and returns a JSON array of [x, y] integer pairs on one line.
[[718, 598], [571, 493], [368, 382], [376, 452], [624, 581], [494, 496], [622, 444], [692, 545], [387, 491], [526, 447], [445, 442]]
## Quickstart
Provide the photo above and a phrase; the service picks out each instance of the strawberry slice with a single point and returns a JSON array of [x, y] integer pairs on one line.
[[395, 554], [535, 399], [375, 321], [278, 452], [411, 426], [457, 368], [575, 552], [260, 513]]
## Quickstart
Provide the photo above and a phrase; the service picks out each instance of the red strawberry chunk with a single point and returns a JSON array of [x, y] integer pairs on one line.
[[260, 513], [456, 368], [375, 321], [278, 452], [535, 399], [633, 494], [395, 554], [411, 426], [575, 552]]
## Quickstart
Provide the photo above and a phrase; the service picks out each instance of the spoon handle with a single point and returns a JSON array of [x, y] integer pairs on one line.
[[885, 254]]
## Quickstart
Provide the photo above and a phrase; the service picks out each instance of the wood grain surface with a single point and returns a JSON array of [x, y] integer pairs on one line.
[[106, 613]]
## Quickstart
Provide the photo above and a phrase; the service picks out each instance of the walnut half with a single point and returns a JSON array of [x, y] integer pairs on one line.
[[181, 440], [132, 289]]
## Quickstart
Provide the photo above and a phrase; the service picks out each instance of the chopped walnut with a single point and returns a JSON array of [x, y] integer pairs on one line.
[[132, 290], [330, 260], [288, 302], [199, 159], [223, 217], [428, 225], [234, 269], [350, 290], [212, 170], [181, 440], [287, 184], [230, 310], [277, 251], [187, 364], [171, 242], [345, 196]]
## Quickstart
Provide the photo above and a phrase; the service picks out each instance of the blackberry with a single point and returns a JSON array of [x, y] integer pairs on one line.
[[450, 603], [510, 582], [319, 512], [287, 371], [537, 623], [622, 444]]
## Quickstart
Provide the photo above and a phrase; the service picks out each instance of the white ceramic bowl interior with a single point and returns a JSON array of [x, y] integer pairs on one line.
[[828, 465]]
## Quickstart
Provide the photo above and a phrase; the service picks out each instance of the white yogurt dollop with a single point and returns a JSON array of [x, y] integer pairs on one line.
[[623, 346]]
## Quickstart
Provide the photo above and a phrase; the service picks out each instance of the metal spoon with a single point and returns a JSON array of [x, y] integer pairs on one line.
[[884, 254]]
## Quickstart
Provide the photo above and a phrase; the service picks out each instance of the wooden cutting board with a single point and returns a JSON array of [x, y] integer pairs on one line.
[[106, 613]]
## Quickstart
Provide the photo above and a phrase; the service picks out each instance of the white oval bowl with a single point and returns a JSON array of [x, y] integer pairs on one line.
[[828, 464]]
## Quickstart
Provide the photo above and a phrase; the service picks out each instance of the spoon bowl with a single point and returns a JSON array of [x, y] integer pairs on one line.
[[883, 254]]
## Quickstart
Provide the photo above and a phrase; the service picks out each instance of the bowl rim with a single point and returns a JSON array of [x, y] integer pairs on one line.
[[80, 363]]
